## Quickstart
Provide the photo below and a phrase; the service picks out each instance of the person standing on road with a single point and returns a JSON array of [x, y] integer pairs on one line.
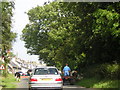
[[66, 70]]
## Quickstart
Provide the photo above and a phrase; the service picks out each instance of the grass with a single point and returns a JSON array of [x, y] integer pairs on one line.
[[107, 84], [8, 82], [95, 83]]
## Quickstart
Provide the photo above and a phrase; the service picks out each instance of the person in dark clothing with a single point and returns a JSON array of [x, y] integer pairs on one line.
[[29, 72]]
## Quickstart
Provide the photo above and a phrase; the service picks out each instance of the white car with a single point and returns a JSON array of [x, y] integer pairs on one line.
[[46, 77]]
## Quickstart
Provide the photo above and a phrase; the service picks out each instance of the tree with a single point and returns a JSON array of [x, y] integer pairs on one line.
[[74, 33], [6, 35]]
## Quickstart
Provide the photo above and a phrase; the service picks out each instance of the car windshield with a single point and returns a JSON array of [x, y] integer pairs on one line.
[[45, 71]]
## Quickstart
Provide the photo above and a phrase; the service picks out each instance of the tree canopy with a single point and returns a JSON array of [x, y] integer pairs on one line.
[[74, 33], [6, 35]]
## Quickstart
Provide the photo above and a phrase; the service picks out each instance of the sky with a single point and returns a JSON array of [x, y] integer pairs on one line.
[[20, 19]]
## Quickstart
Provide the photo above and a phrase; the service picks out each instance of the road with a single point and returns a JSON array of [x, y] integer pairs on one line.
[[24, 85]]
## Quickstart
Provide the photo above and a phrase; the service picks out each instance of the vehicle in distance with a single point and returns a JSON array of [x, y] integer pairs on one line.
[[46, 77]]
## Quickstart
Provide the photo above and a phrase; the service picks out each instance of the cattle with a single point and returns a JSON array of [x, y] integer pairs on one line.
[[17, 76]]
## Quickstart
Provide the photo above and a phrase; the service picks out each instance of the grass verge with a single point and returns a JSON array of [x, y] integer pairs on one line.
[[95, 83], [8, 82]]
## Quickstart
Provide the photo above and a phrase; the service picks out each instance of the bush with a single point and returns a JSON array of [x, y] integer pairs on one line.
[[101, 71], [91, 71], [109, 71]]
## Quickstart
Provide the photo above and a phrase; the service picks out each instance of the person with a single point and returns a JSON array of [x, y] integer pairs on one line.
[[29, 72], [66, 70]]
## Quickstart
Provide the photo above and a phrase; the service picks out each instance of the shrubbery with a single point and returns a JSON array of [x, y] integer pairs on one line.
[[110, 71], [100, 76], [102, 71]]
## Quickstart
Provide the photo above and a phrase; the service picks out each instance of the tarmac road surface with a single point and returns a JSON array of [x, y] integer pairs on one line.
[[24, 85]]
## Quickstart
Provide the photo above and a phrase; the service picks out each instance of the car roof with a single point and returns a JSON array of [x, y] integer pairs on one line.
[[44, 67]]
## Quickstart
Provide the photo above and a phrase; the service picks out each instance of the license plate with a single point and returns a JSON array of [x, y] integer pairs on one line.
[[46, 79]]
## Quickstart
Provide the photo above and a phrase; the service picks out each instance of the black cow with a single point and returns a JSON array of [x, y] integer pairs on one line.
[[17, 76]]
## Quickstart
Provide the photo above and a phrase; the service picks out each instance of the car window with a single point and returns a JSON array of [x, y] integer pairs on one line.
[[45, 71], [41, 71], [52, 71]]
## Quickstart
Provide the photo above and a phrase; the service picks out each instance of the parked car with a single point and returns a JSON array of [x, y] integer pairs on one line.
[[46, 77]]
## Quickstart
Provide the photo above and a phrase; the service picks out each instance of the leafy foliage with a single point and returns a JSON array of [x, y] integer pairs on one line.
[[80, 34], [6, 35]]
